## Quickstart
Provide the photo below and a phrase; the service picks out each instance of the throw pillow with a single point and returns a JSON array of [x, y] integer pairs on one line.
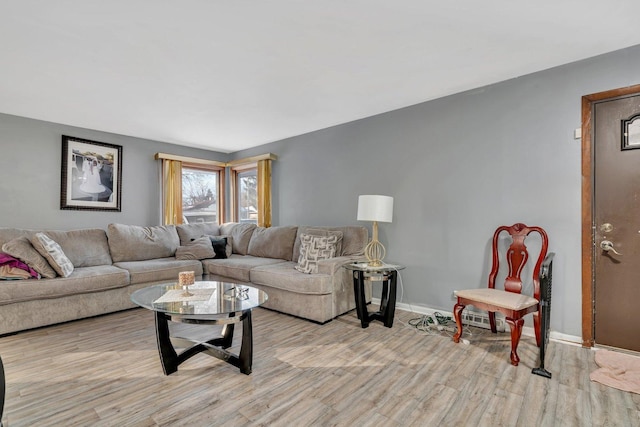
[[53, 253], [314, 249], [324, 232], [220, 246], [200, 248], [22, 249]]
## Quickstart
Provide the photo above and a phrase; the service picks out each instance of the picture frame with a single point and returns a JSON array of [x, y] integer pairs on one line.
[[631, 133], [91, 177]]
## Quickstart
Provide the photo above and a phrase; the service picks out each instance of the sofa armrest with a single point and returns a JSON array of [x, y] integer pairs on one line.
[[331, 265]]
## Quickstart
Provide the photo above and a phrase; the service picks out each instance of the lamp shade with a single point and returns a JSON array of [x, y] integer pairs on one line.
[[375, 208]]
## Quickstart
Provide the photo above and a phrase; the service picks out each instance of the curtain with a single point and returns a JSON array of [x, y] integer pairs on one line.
[[264, 193], [172, 191]]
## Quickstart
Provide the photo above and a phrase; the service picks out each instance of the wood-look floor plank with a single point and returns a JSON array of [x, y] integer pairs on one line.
[[105, 371]]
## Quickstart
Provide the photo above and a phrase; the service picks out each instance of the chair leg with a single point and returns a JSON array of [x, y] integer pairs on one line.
[[492, 322], [457, 315], [516, 332], [537, 327]]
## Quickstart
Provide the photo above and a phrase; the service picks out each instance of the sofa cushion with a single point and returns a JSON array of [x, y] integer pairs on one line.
[[189, 232], [22, 249], [85, 247], [158, 270], [136, 243], [8, 233], [284, 276], [82, 280], [240, 234], [314, 249], [354, 239], [200, 248], [53, 253], [236, 267], [273, 242]]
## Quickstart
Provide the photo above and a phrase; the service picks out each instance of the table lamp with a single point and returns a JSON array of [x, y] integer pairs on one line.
[[375, 208]]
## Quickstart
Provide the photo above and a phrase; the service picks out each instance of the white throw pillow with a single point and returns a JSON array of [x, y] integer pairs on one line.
[[53, 253]]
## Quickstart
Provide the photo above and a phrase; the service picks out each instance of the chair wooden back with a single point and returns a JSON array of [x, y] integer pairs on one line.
[[517, 256]]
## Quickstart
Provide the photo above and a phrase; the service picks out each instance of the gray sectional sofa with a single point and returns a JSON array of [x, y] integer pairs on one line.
[[108, 265]]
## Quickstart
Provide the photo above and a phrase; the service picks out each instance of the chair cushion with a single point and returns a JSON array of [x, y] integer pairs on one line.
[[499, 298]]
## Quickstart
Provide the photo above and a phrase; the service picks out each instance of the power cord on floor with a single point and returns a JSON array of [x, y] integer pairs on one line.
[[435, 324]]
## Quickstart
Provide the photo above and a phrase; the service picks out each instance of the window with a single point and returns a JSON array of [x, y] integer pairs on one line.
[[192, 190], [200, 194], [247, 195], [251, 189]]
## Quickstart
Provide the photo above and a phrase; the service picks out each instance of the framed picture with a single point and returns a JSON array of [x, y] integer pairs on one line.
[[91, 175], [631, 133]]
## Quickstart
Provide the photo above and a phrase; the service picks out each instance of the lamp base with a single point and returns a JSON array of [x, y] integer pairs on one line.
[[375, 253]]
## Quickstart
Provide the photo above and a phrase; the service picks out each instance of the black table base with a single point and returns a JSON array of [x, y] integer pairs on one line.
[[216, 347], [387, 301]]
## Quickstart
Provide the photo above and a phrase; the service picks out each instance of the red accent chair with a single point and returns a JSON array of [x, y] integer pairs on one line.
[[509, 301]]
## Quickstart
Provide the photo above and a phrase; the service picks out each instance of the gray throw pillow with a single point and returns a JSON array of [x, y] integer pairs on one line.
[[22, 249], [53, 253], [200, 248], [314, 249]]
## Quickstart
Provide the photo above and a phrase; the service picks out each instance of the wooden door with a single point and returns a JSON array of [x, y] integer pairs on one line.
[[616, 220]]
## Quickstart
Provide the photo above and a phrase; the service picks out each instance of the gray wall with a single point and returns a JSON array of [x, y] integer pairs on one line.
[[458, 167], [30, 161]]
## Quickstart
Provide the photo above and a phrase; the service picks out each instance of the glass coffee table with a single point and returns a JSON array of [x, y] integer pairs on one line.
[[206, 303]]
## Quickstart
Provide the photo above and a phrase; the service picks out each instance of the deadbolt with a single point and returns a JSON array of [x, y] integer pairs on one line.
[[606, 228]]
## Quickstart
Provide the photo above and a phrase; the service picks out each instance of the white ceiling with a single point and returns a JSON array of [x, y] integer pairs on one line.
[[229, 75]]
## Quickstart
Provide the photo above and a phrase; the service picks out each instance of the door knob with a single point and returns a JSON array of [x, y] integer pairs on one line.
[[607, 246]]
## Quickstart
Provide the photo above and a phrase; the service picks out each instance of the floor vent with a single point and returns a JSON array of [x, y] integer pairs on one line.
[[481, 320]]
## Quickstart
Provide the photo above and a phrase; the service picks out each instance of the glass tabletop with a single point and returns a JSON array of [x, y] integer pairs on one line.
[[364, 266], [201, 299]]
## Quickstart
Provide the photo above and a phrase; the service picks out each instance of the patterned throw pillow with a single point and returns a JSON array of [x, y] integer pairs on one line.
[[53, 253], [313, 249]]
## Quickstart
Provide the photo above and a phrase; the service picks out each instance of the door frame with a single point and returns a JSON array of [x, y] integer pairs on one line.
[[588, 231]]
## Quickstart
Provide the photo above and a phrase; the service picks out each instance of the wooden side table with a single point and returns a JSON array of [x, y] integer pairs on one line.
[[388, 275]]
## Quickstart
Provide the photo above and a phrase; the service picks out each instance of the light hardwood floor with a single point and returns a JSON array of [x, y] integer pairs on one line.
[[105, 371]]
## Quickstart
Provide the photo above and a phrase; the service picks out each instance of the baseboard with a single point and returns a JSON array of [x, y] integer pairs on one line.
[[526, 331]]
